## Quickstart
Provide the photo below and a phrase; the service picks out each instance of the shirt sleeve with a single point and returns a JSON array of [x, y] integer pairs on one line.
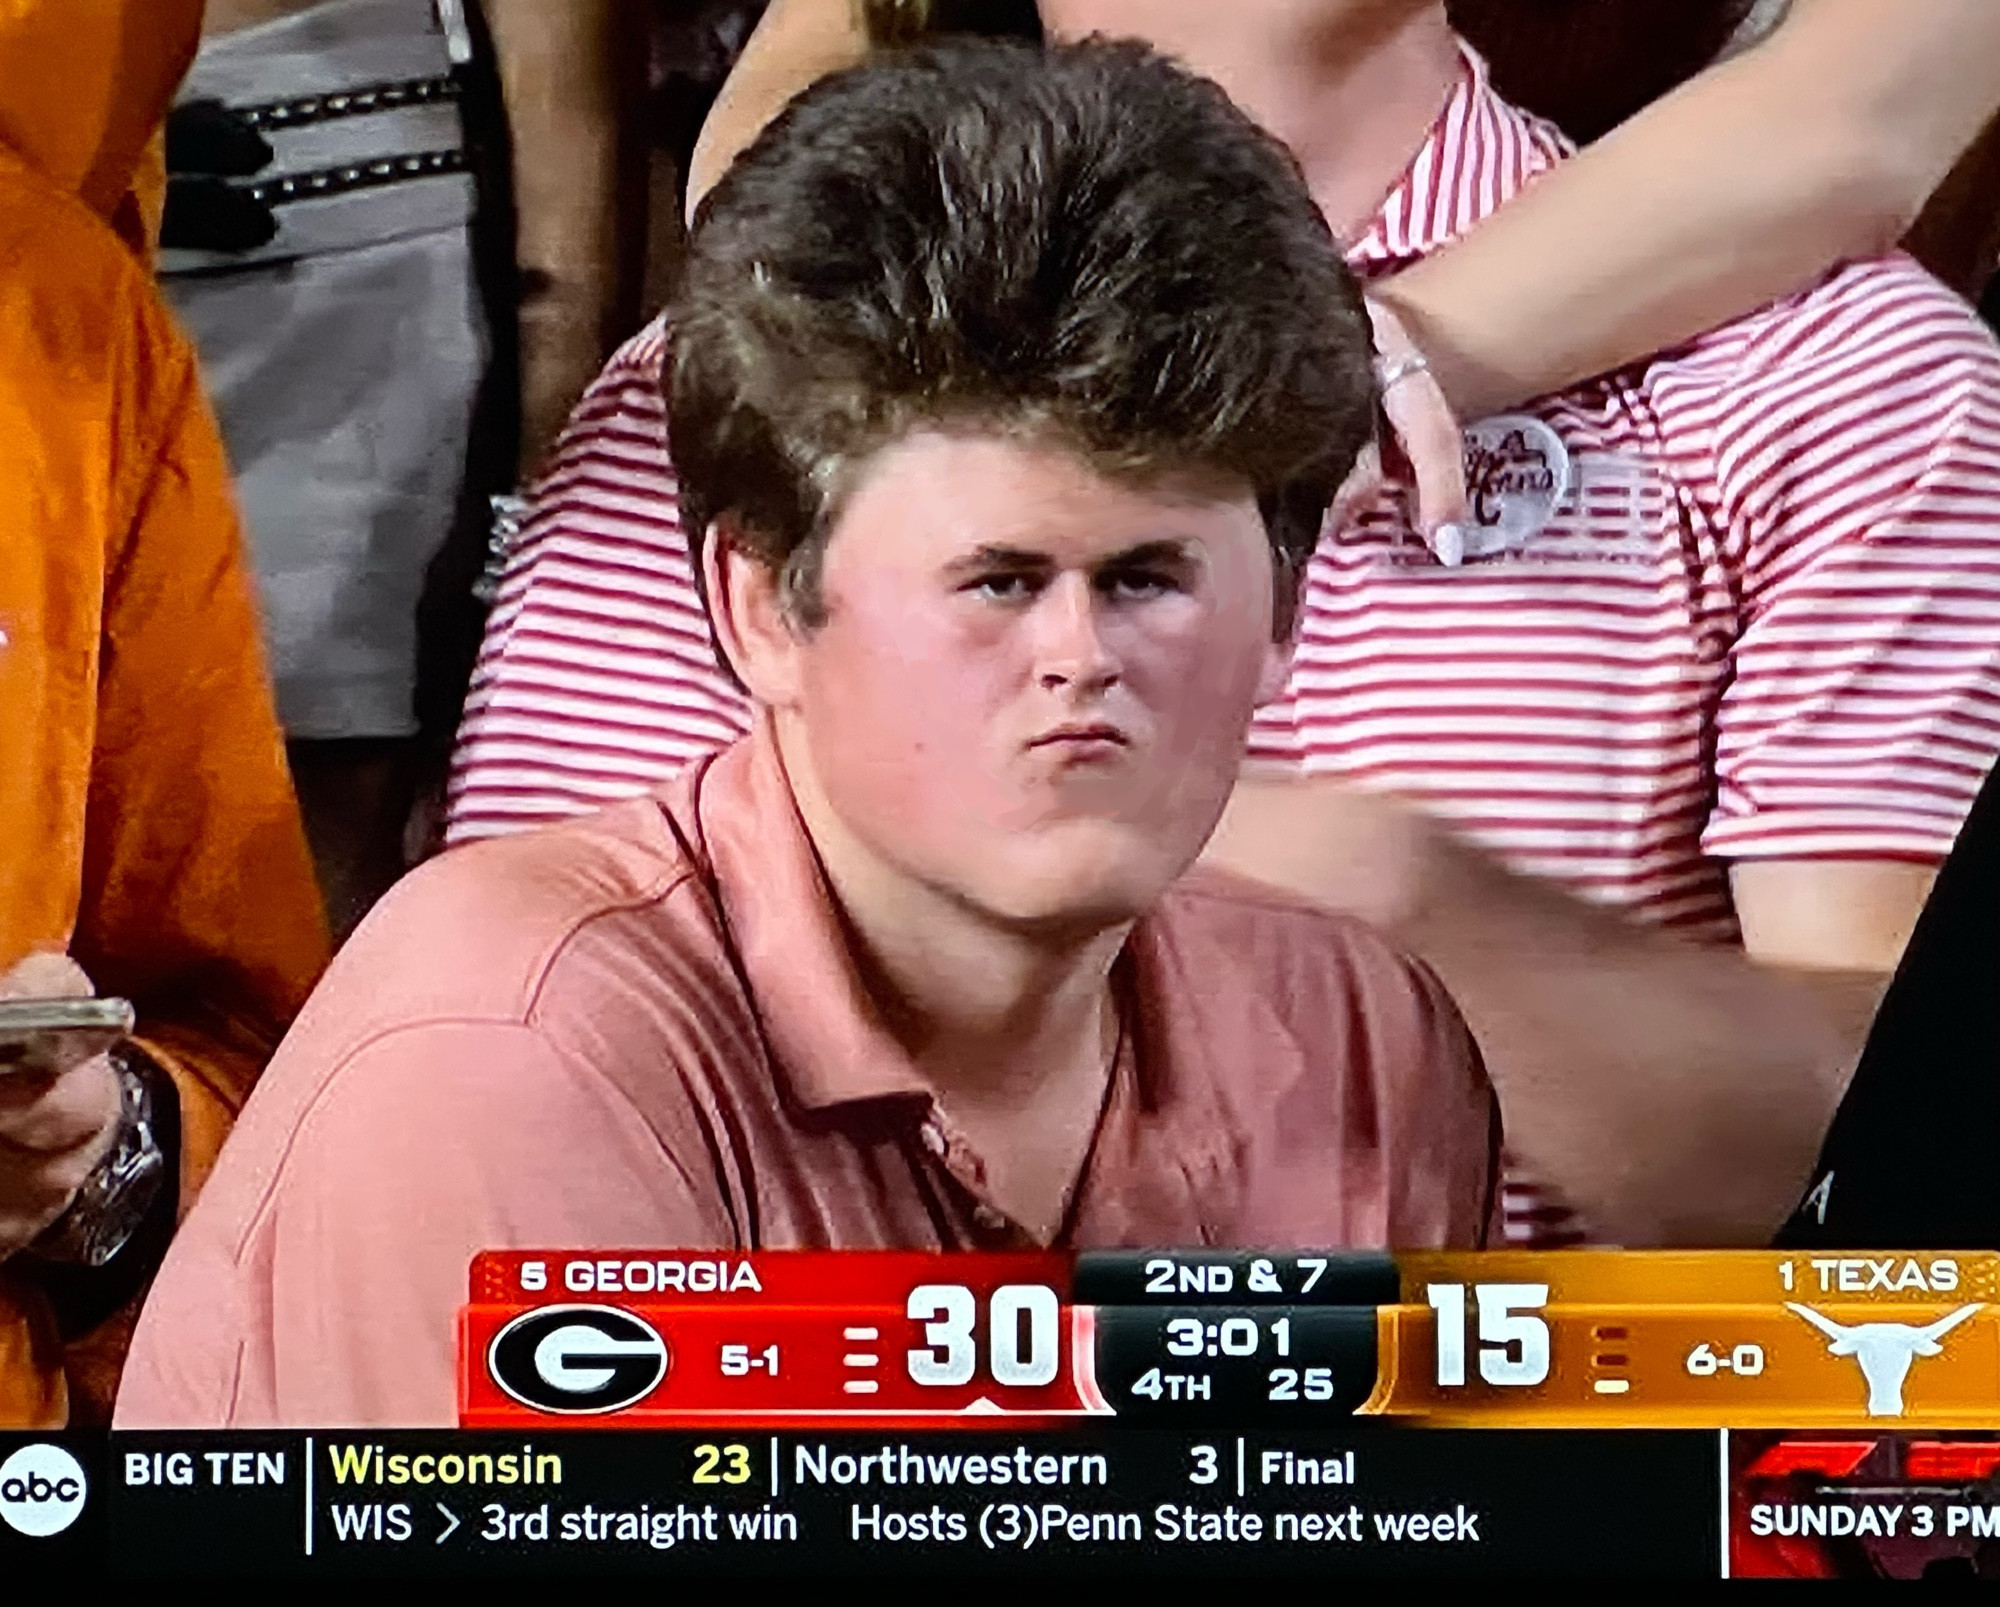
[[431, 1144], [597, 677], [199, 901], [1858, 455]]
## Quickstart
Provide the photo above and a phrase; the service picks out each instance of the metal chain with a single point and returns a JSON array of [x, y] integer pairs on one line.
[[370, 98], [355, 176]]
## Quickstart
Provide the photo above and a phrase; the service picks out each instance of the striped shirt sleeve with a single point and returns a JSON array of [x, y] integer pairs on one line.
[[1858, 466], [597, 677]]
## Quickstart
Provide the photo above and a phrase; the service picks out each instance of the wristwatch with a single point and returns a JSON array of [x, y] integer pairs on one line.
[[113, 1201]]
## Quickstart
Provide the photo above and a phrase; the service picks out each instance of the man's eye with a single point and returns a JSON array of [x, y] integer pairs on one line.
[[1003, 588], [1140, 584]]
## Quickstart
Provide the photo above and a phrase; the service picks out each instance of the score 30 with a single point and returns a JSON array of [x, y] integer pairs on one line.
[[1023, 1335]]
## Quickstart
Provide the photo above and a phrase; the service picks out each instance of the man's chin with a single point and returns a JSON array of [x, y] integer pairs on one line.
[[1076, 894]]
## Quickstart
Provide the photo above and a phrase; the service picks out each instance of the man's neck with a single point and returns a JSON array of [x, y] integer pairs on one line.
[[1353, 87], [993, 1017]]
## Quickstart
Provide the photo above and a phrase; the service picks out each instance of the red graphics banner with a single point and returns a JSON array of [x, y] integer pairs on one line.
[[781, 1339]]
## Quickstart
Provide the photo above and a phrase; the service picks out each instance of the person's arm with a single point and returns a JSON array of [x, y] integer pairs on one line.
[[1437, 1115], [1673, 1093], [1819, 144], [797, 42], [199, 902], [574, 80]]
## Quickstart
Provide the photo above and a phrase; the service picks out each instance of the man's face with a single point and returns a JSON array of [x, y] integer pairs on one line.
[[1032, 684]]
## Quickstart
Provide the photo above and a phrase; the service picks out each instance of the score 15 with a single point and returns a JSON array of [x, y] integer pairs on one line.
[[1513, 1346], [1023, 1334]]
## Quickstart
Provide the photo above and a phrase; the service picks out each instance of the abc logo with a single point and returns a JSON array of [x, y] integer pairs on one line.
[[41, 1489], [577, 1359]]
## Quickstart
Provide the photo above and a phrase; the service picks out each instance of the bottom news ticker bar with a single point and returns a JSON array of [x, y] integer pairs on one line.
[[1370, 1499]]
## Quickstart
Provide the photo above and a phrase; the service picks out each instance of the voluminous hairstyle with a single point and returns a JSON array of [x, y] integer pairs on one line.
[[1081, 246]]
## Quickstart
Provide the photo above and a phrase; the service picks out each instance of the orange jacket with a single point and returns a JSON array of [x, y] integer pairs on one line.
[[147, 821]]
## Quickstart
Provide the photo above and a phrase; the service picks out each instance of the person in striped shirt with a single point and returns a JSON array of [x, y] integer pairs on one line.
[[1687, 724]]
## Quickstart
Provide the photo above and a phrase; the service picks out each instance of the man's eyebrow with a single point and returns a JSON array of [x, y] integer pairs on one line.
[[994, 555], [998, 552], [1150, 552], [998, 555]]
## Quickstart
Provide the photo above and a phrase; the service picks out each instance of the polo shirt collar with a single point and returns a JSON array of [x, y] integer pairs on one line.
[[1480, 152], [825, 1033], [1167, 1150]]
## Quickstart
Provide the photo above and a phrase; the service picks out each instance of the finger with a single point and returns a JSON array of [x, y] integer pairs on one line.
[[63, 1116], [1422, 428], [38, 1193], [31, 1201], [50, 1146], [1430, 439], [49, 974], [48, 1054], [1389, 453]]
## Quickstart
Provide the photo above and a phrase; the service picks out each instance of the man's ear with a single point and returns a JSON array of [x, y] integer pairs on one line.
[[761, 644]]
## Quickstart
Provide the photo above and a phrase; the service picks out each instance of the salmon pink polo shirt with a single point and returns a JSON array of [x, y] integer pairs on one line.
[[644, 1029]]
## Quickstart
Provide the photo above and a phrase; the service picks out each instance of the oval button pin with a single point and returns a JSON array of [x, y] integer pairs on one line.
[[1517, 472]]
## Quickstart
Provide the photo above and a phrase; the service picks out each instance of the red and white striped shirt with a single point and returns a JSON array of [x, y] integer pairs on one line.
[[1764, 621]]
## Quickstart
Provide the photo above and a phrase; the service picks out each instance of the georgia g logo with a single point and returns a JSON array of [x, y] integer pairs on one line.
[[577, 1359]]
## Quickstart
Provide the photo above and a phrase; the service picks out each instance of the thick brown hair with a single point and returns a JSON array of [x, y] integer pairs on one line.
[[1082, 246]]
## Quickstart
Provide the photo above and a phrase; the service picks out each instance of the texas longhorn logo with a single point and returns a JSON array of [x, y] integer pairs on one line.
[[1885, 1350]]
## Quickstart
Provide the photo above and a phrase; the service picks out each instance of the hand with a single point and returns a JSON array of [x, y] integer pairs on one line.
[[1420, 447], [56, 1123], [1367, 854]]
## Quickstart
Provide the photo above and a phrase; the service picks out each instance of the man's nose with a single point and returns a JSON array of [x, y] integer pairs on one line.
[[1067, 631]]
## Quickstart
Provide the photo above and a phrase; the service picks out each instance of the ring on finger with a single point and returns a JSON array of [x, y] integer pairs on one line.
[[1389, 370]]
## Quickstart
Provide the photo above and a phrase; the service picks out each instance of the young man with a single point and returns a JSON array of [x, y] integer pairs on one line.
[[1005, 560], [1704, 712]]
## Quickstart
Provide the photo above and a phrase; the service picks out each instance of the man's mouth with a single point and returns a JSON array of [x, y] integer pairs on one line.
[[1083, 739]]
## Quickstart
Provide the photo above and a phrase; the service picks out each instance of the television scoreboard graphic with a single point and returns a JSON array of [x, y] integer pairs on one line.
[[674, 1414], [1583, 1339]]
